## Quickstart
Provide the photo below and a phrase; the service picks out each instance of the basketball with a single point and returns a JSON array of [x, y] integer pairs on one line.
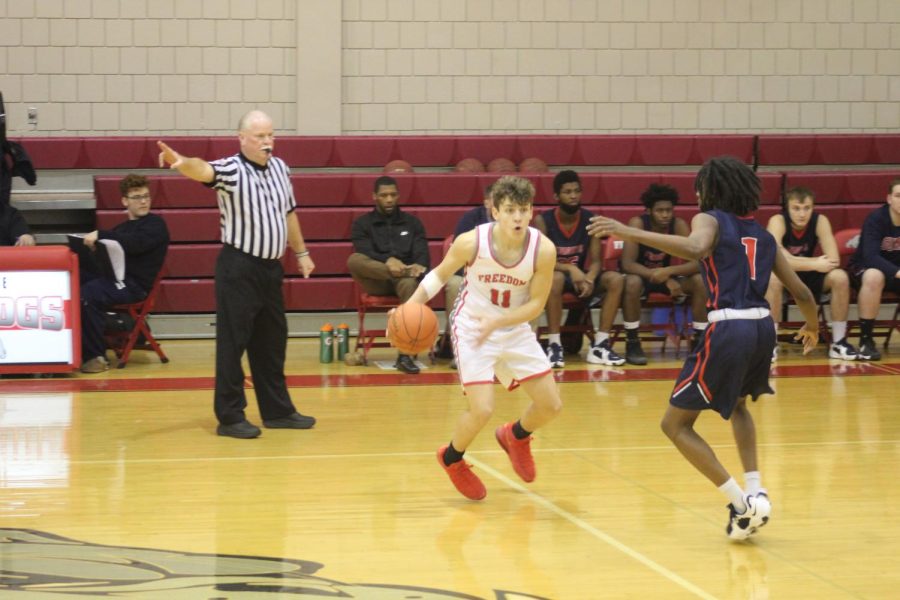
[[533, 165], [412, 328], [501, 165], [470, 165], [398, 166]]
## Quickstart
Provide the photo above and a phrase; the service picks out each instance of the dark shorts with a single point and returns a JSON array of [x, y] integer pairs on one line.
[[654, 288], [891, 284], [593, 300], [815, 281], [732, 362]]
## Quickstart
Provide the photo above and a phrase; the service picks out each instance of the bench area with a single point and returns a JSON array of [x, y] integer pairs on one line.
[[333, 178]]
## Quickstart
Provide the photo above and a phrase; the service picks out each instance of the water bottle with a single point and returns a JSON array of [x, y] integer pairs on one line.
[[343, 340], [326, 343]]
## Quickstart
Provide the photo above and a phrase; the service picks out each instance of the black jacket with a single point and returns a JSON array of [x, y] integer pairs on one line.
[[145, 242], [399, 235], [12, 225]]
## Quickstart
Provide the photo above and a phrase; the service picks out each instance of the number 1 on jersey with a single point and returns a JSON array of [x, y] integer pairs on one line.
[[750, 250]]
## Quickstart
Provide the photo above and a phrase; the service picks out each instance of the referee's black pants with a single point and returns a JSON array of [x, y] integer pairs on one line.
[[250, 316]]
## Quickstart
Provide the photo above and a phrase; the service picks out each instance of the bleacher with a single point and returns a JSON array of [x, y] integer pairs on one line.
[[333, 177]]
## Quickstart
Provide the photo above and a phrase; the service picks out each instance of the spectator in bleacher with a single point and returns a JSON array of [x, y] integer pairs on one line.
[[144, 239], [566, 226], [875, 266], [821, 274], [390, 252], [13, 228], [256, 203], [649, 270], [469, 221]]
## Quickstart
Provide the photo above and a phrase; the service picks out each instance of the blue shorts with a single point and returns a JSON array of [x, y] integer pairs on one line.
[[732, 362]]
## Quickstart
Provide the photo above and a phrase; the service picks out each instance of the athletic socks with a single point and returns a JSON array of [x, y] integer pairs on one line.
[[518, 432], [865, 327], [452, 455], [735, 494], [752, 482], [838, 331], [631, 330]]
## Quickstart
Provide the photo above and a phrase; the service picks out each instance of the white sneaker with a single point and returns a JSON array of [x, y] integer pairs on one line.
[[775, 354], [602, 354], [742, 526], [555, 354], [843, 350]]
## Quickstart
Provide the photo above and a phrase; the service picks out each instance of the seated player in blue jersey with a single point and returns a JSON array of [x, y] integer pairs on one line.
[[731, 361], [875, 266], [821, 274], [566, 226], [649, 270]]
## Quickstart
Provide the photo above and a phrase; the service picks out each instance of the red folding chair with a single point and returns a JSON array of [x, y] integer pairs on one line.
[[366, 304], [123, 342]]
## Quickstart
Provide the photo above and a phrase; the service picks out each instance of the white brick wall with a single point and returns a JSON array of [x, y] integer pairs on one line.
[[455, 66]]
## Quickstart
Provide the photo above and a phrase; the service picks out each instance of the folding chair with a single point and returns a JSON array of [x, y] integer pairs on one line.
[[579, 324], [612, 252], [123, 342], [365, 304]]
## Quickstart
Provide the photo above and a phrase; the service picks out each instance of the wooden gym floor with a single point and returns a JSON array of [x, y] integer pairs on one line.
[[116, 485]]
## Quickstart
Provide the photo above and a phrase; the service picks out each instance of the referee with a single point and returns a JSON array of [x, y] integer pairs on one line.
[[256, 214]]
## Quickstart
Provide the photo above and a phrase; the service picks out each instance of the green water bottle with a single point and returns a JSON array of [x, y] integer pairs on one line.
[[343, 340], [326, 343]]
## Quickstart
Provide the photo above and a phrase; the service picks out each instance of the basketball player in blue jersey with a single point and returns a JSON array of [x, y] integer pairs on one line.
[[737, 257], [509, 269]]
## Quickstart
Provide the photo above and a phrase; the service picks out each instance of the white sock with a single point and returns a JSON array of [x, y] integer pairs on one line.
[[752, 482], [600, 337], [699, 325], [553, 338], [735, 494], [838, 330], [632, 324]]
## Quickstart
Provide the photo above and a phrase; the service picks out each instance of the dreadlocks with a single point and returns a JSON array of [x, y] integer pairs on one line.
[[728, 184]]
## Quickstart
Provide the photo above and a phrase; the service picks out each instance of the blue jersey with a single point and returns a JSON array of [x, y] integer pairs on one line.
[[737, 273], [572, 244]]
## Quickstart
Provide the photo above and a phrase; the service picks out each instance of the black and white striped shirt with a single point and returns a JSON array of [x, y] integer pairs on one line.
[[253, 204]]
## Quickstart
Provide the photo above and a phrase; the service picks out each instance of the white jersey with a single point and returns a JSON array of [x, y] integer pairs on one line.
[[491, 287]]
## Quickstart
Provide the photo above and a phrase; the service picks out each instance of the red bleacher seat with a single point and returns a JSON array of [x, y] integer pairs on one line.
[[886, 148], [305, 151], [604, 150], [552, 149], [220, 147], [177, 191], [708, 146], [322, 189], [447, 188], [185, 225], [362, 188], [198, 295], [191, 146], [362, 151], [485, 147], [115, 153], [786, 149], [772, 187], [107, 194], [426, 150], [191, 260], [663, 150], [625, 188], [844, 149], [855, 214], [869, 186], [53, 153], [828, 186]]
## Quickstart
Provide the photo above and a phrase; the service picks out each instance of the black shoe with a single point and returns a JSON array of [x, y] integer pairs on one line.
[[294, 421], [244, 430], [406, 364], [634, 354], [868, 350]]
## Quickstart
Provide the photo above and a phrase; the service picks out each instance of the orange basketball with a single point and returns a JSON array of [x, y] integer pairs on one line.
[[398, 166], [413, 328], [470, 165], [501, 165], [533, 165]]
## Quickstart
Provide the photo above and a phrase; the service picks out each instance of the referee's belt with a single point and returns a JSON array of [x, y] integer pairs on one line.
[[729, 314]]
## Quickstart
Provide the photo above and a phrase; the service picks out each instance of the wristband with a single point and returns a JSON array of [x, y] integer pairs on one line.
[[301, 254], [432, 284]]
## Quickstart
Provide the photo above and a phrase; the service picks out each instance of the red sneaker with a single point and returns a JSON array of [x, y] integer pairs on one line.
[[465, 481], [519, 452]]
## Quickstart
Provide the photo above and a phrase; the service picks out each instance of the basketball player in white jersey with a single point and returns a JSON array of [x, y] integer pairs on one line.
[[509, 269]]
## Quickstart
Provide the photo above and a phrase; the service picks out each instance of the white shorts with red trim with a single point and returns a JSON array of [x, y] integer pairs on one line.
[[513, 355]]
